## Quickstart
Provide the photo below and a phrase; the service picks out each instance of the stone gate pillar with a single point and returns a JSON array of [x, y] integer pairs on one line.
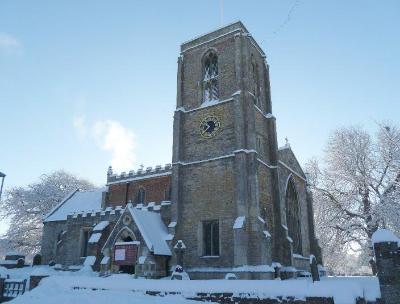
[[387, 256]]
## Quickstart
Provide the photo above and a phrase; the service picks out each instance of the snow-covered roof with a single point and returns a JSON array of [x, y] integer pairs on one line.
[[384, 235], [267, 234], [90, 260], [152, 229], [94, 238], [101, 226], [76, 202], [105, 260], [14, 253], [239, 222]]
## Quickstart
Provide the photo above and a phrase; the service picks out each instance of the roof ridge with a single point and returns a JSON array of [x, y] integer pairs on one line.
[[55, 208]]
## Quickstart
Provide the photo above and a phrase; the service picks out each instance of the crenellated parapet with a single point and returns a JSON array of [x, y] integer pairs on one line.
[[141, 173], [106, 213], [113, 213]]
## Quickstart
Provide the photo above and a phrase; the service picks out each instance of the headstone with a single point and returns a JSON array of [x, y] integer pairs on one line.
[[179, 249], [20, 263], [37, 260], [34, 280], [179, 274], [314, 268], [277, 270]]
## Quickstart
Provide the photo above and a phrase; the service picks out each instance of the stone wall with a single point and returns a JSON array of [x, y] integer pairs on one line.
[[51, 233], [207, 193], [296, 174], [69, 251], [198, 148]]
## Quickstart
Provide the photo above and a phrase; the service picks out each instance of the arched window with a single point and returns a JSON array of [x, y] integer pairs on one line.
[[292, 216], [256, 81], [141, 196], [210, 79]]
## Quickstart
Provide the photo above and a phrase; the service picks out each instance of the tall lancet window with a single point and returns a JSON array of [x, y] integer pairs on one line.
[[210, 80]]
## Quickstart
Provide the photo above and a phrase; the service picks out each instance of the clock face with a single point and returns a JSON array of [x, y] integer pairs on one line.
[[210, 126]]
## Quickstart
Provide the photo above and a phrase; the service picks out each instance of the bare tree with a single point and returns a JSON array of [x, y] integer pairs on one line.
[[25, 207], [356, 188]]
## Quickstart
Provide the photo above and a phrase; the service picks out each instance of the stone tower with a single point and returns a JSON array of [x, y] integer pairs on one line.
[[224, 177]]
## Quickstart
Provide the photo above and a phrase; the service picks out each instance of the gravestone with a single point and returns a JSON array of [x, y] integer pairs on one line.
[[179, 249], [314, 268], [37, 260], [20, 263]]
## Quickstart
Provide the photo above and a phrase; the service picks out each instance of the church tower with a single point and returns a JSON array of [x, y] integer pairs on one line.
[[224, 176]]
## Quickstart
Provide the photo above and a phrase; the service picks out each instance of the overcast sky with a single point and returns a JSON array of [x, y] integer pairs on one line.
[[86, 84]]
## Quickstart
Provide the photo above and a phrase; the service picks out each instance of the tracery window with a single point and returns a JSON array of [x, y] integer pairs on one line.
[[210, 80], [293, 217]]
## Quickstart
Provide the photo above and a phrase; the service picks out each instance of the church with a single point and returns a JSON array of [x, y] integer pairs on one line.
[[230, 202]]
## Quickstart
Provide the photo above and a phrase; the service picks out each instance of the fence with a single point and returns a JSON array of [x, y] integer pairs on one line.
[[11, 288]]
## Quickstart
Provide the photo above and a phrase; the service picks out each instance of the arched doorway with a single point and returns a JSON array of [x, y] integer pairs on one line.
[[125, 251], [293, 216]]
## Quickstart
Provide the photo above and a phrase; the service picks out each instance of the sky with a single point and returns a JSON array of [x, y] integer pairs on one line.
[[86, 84]]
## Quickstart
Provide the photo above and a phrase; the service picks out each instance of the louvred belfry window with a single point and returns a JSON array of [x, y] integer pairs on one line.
[[256, 82], [210, 80]]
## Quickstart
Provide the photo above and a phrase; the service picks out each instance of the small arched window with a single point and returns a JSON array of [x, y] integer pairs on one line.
[[141, 196], [210, 79]]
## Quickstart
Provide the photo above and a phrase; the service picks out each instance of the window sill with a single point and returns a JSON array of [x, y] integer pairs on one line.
[[210, 256]]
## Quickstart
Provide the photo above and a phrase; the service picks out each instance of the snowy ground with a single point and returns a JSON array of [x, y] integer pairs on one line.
[[84, 286], [52, 290]]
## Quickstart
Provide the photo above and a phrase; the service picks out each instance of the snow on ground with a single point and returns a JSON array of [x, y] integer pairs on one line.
[[71, 289], [52, 290], [85, 286], [369, 285]]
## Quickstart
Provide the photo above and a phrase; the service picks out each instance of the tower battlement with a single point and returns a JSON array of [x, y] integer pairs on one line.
[[141, 173]]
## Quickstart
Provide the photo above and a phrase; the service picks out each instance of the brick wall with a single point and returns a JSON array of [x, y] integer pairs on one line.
[[156, 190]]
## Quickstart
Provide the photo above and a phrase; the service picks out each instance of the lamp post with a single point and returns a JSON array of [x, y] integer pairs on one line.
[[2, 176]]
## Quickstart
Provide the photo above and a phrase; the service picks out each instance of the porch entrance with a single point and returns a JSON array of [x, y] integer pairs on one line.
[[125, 254]]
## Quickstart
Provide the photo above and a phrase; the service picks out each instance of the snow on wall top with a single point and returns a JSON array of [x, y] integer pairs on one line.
[[153, 230], [101, 226], [239, 222], [140, 174], [384, 235], [76, 202]]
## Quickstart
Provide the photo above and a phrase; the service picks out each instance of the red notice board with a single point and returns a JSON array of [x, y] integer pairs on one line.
[[125, 254]]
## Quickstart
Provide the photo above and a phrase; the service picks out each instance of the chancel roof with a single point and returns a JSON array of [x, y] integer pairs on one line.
[[77, 201]]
